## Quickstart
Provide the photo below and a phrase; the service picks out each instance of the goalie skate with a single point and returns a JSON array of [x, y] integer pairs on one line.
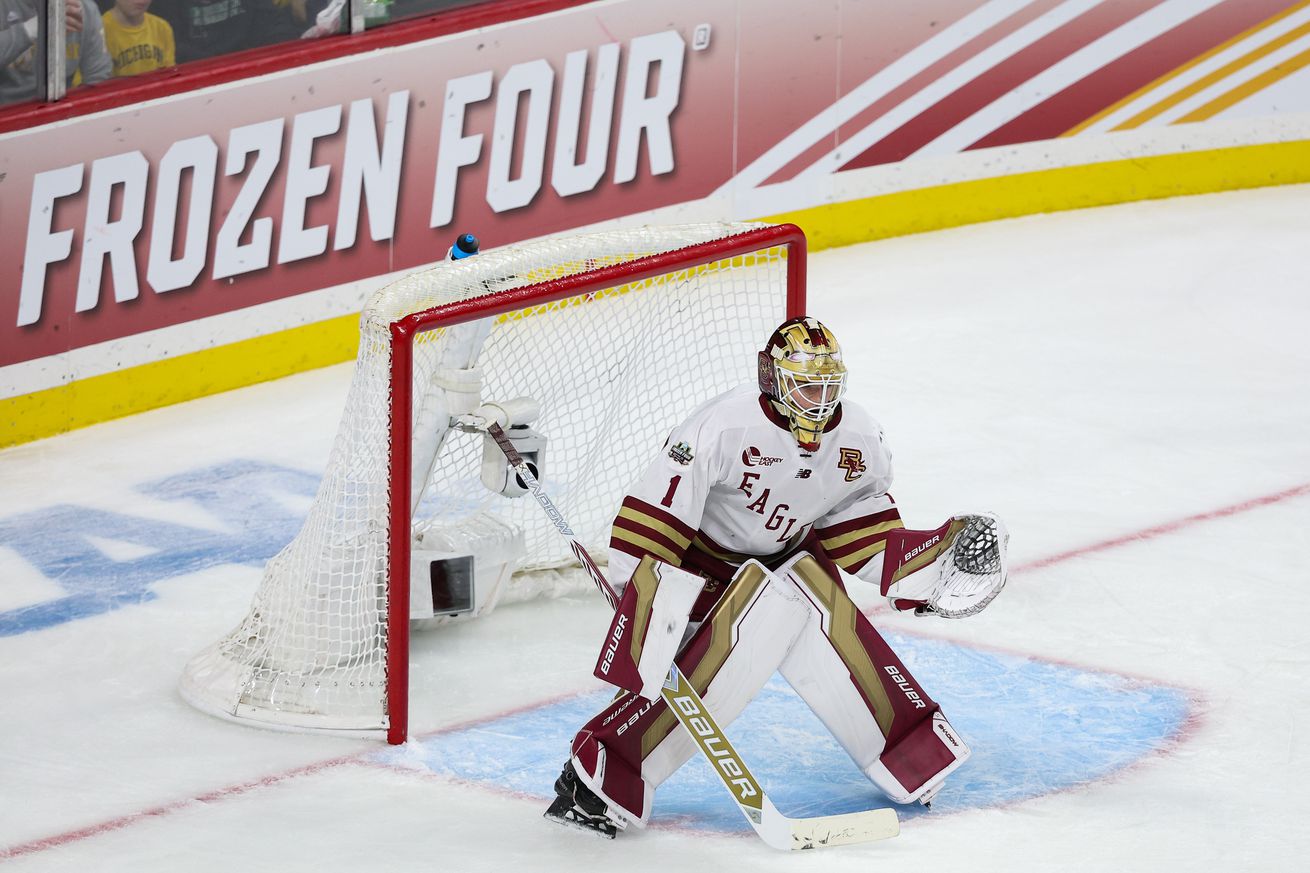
[[577, 807], [925, 799]]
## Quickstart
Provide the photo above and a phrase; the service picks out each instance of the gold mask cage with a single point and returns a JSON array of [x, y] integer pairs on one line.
[[801, 369]]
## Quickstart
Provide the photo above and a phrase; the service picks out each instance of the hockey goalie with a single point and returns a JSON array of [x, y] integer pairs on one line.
[[760, 498]]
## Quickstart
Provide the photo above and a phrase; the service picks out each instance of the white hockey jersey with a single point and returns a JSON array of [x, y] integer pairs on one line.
[[731, 483]]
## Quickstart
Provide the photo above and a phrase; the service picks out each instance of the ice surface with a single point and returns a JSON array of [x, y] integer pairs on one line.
[[1128, 387]]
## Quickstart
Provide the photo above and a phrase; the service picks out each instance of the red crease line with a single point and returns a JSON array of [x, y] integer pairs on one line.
[[1161, 529], [121, 822]]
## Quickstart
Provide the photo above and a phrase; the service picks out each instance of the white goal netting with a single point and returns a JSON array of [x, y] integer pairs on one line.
[[612, 370]]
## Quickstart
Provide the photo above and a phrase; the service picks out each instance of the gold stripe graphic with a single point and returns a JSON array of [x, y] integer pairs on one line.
[[1175, 73], [650, 521], [647, 544], [927, 556], [862, 555], [845, 640], [838, 541], [646, 583], [705, 547], [1259, 83], [1206, 81], [740, 594]]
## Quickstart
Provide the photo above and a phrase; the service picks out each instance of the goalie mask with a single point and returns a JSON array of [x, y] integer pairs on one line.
[[802, 373]]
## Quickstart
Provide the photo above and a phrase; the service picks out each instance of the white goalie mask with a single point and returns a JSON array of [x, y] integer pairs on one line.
[[802, 373]]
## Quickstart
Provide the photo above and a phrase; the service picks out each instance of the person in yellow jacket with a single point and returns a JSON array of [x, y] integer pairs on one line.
[[138, 42]]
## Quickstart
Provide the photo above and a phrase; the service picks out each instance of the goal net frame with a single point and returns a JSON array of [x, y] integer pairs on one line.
[[404, 331], [402, 347]]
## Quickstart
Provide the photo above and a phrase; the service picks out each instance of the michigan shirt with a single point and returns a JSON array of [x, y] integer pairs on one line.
[[140, 49]]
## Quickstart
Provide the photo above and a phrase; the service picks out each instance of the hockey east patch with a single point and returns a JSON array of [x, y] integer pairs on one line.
[[1035, 727]]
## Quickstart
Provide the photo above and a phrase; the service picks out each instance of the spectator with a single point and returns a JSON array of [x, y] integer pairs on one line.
[[138, 42], [208, 28], [286, 19], [87, 59]]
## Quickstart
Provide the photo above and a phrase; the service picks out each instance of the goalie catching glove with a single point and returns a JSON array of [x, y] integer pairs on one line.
[[968, 558]]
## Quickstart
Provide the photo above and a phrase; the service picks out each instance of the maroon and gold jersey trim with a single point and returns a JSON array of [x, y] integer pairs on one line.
[[641, 529], [701, 542], [851, 544], [704, 545]]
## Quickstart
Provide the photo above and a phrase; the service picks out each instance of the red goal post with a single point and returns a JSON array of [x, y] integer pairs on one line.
[[608, 304]]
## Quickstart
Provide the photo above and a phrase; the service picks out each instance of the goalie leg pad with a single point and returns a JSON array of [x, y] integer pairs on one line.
[[917, 764], [626, 751], [862, 692], [616, 782]]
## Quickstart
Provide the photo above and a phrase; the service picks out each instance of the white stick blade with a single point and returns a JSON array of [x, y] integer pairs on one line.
[[843, 830]]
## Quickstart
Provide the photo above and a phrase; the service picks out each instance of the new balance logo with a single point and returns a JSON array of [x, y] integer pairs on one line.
[[803, 473]]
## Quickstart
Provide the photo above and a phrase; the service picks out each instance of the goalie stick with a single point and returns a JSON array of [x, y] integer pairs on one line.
[[776, 829]]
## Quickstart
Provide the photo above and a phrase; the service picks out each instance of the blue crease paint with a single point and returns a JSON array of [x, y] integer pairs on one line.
[[1035, 727]]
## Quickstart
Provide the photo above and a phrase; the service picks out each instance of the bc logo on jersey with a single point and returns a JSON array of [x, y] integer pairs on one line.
[[852, 461]]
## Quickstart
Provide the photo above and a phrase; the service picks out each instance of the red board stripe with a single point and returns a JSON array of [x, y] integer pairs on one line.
[[1116, 80], [910, 87], [998, 81]]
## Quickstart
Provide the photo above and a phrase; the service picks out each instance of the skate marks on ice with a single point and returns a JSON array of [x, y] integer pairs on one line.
[[1035, 727]]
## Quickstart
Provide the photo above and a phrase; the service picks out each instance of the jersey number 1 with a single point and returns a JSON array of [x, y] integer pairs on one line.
[[668, 495]]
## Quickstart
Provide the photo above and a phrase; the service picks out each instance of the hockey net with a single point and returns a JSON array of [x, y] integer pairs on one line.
[[616, 336]]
